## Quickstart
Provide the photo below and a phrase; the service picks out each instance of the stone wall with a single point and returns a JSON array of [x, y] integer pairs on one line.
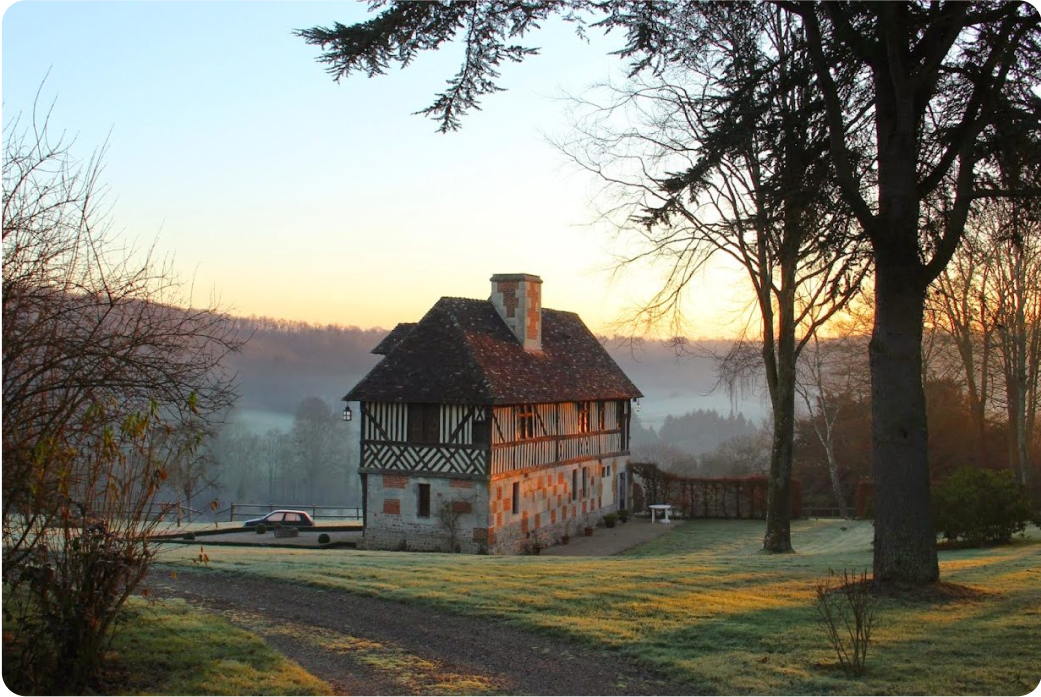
[[394, 521]]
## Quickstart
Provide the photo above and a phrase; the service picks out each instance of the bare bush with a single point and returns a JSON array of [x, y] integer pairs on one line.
[[109, 387], [846, 609]]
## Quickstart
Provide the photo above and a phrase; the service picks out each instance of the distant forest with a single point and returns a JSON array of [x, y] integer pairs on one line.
[[292, 375]]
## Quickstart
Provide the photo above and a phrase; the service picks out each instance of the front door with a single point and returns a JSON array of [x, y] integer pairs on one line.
[[621, 490]]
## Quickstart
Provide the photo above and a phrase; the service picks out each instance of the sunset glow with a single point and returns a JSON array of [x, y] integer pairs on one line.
[[284, 194]]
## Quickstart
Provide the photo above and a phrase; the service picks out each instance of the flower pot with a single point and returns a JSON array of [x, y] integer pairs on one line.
[[589, 532]]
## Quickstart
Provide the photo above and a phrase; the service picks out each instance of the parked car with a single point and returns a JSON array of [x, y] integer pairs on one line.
[[299, 519]]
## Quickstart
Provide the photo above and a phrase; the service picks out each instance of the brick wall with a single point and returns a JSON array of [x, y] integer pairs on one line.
[[546, 510]]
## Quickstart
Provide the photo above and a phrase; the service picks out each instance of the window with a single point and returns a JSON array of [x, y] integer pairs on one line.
[[423, 509], [574, 485], [525, 416], [585, 480], [583, 416], [601, 409], [481, 432], [516, 498], [424, 423]]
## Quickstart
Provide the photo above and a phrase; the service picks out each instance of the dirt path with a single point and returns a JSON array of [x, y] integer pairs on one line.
[[369, 646]]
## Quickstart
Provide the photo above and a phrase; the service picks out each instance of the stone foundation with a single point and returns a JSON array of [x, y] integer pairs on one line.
[[552, 503], [394, 522]]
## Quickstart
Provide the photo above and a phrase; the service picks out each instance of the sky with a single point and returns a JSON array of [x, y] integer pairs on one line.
[[282, 193]]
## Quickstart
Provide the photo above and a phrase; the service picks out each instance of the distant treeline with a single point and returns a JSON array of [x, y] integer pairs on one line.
[[285, 361]]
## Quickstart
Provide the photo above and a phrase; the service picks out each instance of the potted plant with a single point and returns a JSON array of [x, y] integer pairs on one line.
[[610, 519], [623, 515], [589, 531]]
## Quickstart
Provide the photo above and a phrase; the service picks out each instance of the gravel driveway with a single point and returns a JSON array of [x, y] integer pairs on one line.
[[365, 645]]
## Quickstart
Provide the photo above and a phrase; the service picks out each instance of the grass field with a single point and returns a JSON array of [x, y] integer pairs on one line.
[[704, 605], [171, 648]]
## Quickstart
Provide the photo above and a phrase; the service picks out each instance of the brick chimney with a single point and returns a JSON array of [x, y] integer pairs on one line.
[[518, 299]]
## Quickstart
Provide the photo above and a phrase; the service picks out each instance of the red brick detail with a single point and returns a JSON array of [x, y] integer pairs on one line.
[[536, 520], [524, 521], [498, 492], [552, 516], [498, 520], [394, 481], [462, 507], [509, 297], [534, 302], [462, 484], [392, 506]]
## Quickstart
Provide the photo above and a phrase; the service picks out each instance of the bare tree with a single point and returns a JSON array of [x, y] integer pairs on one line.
[[1018, 322], [724, 156], [964, 306], [832, 371], [108, 385]]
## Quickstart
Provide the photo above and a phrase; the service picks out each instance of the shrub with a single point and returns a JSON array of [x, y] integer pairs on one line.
[[261, 529], [846, 610], [979, 506], [623, 515], [323, 539], [610, 519]]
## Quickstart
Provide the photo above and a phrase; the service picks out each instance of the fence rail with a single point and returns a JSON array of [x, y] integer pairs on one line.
[[242, 511]]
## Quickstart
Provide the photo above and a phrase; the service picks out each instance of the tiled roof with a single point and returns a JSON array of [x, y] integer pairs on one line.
[[462, 352], [390, 341]]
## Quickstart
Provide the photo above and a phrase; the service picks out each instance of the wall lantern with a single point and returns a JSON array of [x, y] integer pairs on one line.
[[637, 408], [347, 413]]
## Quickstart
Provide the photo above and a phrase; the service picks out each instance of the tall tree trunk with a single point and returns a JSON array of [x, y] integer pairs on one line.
[[778, 537], [905, 538]]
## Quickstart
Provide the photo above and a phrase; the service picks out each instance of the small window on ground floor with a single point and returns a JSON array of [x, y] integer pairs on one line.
[[516, 498], [423, 509]]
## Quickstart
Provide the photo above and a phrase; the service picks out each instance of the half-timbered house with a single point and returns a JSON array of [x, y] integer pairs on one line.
[[491, 425]]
